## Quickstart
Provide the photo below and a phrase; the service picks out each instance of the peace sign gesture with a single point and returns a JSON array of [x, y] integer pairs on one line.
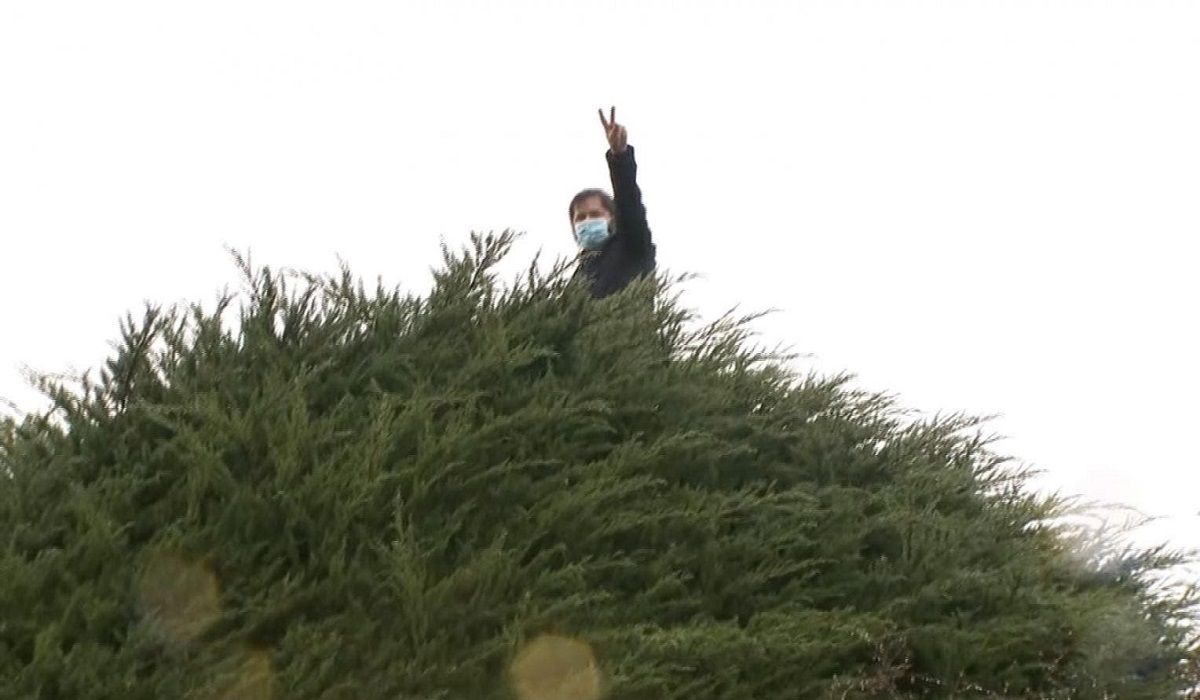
[[617, 136]]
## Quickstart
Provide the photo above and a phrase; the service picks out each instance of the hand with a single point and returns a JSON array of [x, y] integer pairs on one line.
[[618, 138]]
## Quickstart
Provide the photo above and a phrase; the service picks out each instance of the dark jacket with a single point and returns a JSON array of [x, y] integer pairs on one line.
[[629, 252]]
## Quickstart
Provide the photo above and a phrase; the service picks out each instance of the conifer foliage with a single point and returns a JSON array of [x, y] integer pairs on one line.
[[317, 490]]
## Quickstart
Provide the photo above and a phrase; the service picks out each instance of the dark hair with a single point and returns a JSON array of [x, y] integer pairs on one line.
[[605, 200]]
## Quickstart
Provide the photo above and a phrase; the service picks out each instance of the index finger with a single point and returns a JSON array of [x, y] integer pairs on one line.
[[602, 119]]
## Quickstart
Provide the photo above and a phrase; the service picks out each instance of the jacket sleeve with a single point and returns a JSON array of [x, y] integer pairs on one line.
[[631, 213]]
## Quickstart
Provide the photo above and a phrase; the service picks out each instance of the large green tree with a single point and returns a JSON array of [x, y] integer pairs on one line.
[[335, 492]]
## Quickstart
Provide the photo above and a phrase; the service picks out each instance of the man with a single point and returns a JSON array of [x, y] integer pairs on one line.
[[612, 233]]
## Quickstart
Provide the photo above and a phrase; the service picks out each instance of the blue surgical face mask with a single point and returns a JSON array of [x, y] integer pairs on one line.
[[592, 233]]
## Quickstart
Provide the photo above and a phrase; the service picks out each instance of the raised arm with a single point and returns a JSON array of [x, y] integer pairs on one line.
[[622, 168]]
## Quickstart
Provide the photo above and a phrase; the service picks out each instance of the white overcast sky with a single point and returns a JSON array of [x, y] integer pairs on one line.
[[982, 206]]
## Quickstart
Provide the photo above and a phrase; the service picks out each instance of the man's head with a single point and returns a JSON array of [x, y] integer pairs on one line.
[[588, 209]]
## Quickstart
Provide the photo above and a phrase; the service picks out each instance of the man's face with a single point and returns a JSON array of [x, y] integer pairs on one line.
[[590, 208]]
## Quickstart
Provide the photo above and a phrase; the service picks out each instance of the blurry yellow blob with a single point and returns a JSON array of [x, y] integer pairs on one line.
[[556, 668], [179, 596]]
